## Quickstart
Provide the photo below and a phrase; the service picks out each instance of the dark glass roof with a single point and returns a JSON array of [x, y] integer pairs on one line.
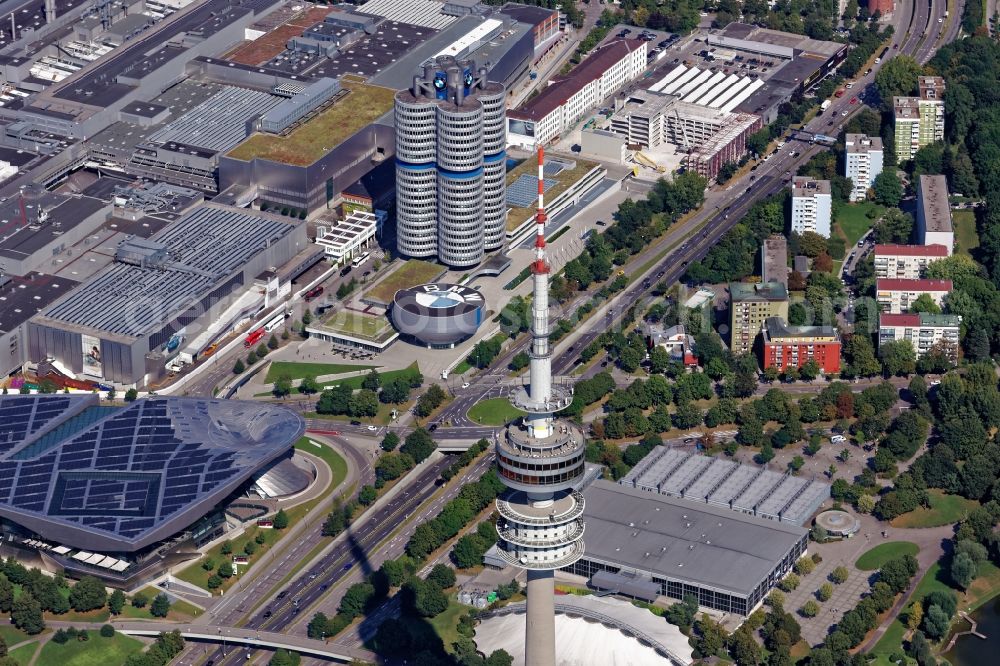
[[117, 480]]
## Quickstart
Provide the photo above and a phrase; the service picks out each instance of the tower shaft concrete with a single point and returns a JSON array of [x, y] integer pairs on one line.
[[540, 628]]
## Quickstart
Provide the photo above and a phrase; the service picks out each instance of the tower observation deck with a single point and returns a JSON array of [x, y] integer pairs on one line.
[[540, 458]]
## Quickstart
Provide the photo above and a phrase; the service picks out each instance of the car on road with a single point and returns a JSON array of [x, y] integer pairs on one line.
[[843, 113], [940, 20], [935, 382], [372, 428], [465, 385], [282, 594], [661, 274], [347, 567], [267, 614], [601, 223], [355, 422], [434, 426], [688, 440], [854, 100]]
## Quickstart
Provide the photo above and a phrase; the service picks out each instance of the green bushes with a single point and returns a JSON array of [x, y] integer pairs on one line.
[[471, 499]]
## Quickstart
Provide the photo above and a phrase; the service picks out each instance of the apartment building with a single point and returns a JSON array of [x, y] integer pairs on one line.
[[750, 305], [568, 99], [926, 332], [863, 160], [897, 295], [934, 213], [787, 346], [774, 259], [811, 206], [919, 120], [908, 262]]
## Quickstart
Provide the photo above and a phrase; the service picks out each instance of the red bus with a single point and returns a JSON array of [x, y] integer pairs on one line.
[[254, 338]]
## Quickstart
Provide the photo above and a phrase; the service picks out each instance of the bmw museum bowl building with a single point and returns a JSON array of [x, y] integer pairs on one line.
[[437, 316]]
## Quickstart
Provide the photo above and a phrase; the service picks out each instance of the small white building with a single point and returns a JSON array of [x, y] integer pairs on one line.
[[934, 213], [811, 206], [345, 238], [863, 160]]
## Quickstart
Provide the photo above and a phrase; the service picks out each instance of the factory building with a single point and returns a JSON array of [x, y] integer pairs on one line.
[[934, 213], [566, 100], [127, 322], [811, 206], [863, 161], [451, 164], [926, 332]]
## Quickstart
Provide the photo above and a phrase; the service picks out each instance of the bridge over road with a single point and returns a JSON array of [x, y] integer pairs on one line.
[[237, 636]]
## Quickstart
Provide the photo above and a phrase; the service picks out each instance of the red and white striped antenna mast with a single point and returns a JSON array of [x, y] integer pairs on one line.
[[540, 266]]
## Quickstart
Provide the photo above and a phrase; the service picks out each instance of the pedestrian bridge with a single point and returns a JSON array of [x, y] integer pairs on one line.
[[245, 637]]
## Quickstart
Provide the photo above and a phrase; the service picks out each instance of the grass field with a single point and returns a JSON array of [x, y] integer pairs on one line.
[[410, 274], [314, 138], [355, 382], [874, 559], [852, 221], [934, 579], [966, 237], [23, 654], [495, 411], [97, 651], [446, 624], [12, 635], [297, 370], [944, 510], [358, 324]]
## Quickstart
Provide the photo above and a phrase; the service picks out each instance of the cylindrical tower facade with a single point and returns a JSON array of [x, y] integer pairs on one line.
[[416, 175], [451, 164], [493, 97]]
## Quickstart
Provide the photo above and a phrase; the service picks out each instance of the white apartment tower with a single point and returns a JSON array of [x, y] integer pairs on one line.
[[863, 159], [811, 206]]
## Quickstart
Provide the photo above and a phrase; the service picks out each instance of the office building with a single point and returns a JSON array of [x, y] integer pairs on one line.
[[926, 332], [919, 121], [811, 206], [566, 100], [897, 295], [342, 240], [906, 261], [934, 213], [774, 260], [450, 164], [863, 161], [750, 305], [787, 346], [540, 459]]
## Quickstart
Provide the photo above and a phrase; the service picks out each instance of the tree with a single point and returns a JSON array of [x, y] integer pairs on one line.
[[372, 381], [272, 342], [284, 657], [898, 76], [356, 599], [6, 594], [26, 614], [442, 575], [308, 385], [839, 575], [160, 606], [214, 582], [744, 650], [282, 386], [316, 628], [682, 613], [116, 602], [963, 570], [280, 520], [367, 495], [226, 570], [131, 395], [936, 622], [824, 592], [888, 188], [418, 445], [809, 609], [865, 503], [139, 600], [898, 358], [107, 631], [914, 615], [87, 595]]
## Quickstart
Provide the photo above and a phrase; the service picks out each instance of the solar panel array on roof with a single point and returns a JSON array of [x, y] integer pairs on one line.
[[140, 473], [523, 192], [724, 483]]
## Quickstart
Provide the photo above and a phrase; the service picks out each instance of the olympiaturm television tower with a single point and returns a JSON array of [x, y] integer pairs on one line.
[[539, 459]]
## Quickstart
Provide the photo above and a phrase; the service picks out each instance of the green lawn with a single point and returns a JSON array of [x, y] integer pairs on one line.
[[12, 635], [944, 510], [495, 411], [355, 382], [882, 553], [410, 274], [97, 651], [935, 579], [852, 221], [297, 370], [359, 324], [462, 367], [966, 237], [24, 653], [335, 461], [446, 624]]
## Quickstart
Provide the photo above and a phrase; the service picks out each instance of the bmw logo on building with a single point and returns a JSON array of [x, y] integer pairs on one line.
[[437, 315]]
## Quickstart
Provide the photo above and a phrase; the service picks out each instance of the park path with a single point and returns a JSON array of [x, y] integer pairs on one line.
[[930, 540]]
